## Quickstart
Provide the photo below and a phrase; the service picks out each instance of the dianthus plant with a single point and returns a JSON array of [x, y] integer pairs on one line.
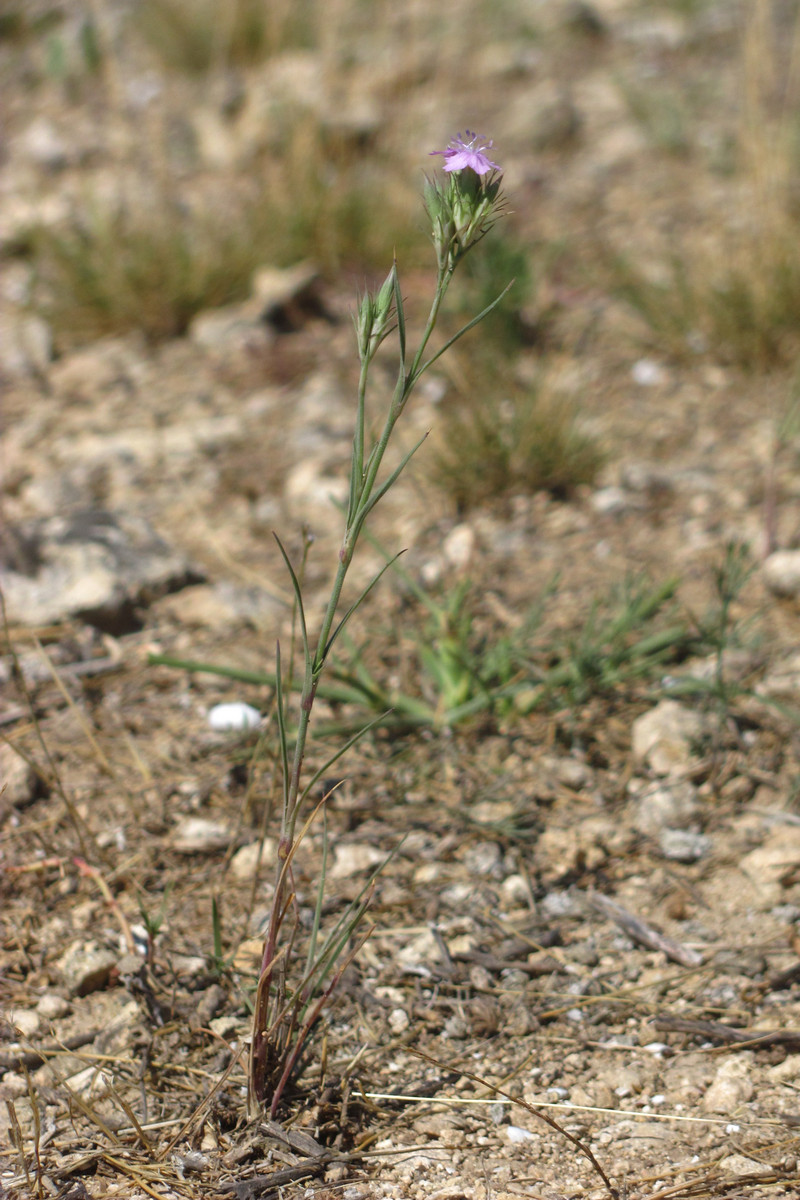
[[462, 207]]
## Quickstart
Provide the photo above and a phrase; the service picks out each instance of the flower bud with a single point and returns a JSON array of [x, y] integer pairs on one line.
[[373, 317]]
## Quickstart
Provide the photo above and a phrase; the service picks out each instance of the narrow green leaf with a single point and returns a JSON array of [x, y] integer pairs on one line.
[[401, 317], [367, 508], [299, 598], [284, 744], [356, 605], [259, 678], [470, 325], [326, 766]]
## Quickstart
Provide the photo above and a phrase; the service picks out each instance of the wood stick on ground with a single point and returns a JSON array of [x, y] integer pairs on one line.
[[644, 934]]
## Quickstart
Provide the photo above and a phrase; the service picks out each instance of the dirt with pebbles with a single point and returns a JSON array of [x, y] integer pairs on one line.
[[140, 489]]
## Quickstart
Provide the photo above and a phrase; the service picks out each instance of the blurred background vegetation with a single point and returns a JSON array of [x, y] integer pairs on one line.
[[651, 155]]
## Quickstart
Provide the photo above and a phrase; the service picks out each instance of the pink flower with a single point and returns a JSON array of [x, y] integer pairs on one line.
[[461, 154]]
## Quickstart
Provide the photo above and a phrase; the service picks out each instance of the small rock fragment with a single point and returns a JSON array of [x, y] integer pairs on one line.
[[19, 783], [459, 546], [740, 1164], [781, 572], [24, 1020], [91, 1083], [398, 1021], [516, 1135], [354, 859], [86, 967], [684, 845], [648, 373], [200, 835], [663, 737], [51, 1006], [235, 716], [666, 806], [249, 858], [732, 1085]]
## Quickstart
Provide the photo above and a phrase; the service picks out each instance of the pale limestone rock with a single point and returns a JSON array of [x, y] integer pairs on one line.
[[663, 737], [200, 835], [732, 1085]]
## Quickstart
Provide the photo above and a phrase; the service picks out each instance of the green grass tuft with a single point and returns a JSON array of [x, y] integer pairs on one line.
[[148, 268], [497, 439]]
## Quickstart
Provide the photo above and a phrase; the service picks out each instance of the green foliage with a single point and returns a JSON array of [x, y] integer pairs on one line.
[[745, 309], [500, 438], [719, 632], [18, 23], [154, 262], [457, 669], [624, 641], [150, 267]]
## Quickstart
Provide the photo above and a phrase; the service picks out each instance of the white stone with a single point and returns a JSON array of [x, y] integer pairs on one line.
[[51, 1006], [200, 835], [684, 845], [648, 373], [516, 1134], [610, 500], [249, 859], [732, 1085], [91, 1083], [459, 546], [781, 573], [235, 716], [355, 858], [666, 806], [24, 1020], [18, 780], [398, 1020], [663, 737]]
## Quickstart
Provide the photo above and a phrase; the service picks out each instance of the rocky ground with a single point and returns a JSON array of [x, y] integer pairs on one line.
[[591, 912]]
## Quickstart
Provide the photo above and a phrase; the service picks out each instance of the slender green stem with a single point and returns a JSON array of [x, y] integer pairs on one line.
[[445, 276], [282, 1021]]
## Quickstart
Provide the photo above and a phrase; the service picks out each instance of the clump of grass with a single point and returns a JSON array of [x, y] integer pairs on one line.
[[154, 262], [734, 287], [332, 199], [745, 310], [150, 267], [195, 36], [499, 438]]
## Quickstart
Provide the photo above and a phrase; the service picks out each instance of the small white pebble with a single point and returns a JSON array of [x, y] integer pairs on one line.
[[732, 1128], [235, 716], [398, 1020], [515, 1134], [656, 1048], [658, 1099], [648, 373]]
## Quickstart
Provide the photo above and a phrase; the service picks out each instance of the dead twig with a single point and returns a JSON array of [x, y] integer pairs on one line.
[[638, 931], [742, 1039]]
